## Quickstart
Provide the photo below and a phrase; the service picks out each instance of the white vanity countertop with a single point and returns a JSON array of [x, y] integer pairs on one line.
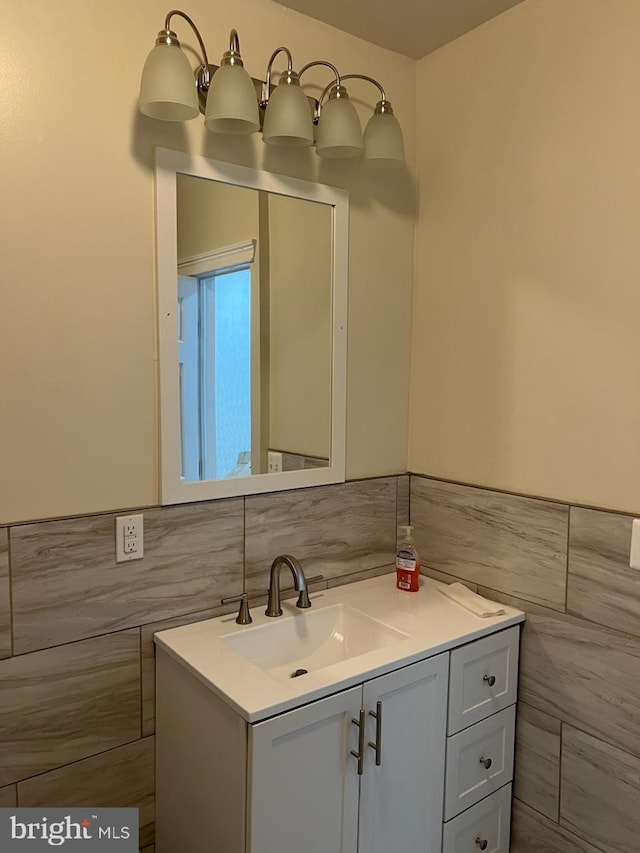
[[432, 622]]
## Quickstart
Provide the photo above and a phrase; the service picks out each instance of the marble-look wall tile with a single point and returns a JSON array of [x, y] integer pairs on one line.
[[296, 462], [333, 530], [600, 792], [122, 777], [64, 704], [578, 672], [67, 585], [443, 577], [260, 597], [5, 607], [342, 580], [533, 833], [8, 797], [537, 769], [403, 488], [513, 544], [147, 649], [601, 585]]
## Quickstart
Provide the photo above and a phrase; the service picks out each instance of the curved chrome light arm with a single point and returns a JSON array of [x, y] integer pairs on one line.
[[203, 72], [232, 56], [167, 22], [383, 97], [266, 86], [334, 85], [382, 107]]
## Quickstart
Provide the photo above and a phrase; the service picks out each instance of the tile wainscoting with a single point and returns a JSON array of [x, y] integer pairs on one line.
[[76, 628], [578, 732], [76, 636]]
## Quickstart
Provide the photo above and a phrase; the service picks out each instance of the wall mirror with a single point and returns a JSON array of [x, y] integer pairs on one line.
[[252, 323]]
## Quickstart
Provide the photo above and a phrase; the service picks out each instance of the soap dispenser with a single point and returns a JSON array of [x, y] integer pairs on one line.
[[407, 564]]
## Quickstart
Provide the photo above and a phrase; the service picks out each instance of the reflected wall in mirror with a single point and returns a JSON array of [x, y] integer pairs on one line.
[[252, 329]]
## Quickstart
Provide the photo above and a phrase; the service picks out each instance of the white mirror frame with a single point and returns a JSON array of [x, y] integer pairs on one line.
[[169, 164]]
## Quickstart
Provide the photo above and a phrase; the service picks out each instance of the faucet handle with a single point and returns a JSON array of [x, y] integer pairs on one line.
[[244, 616]]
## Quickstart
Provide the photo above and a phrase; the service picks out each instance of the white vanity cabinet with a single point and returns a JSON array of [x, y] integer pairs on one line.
[[480, 745], [312, 780], [308, 781], [395, 752]]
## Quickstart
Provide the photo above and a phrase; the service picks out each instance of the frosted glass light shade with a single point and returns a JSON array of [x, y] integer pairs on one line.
[[168, 87], [383, 143], [232, 104], [339, 131], [287, 120]]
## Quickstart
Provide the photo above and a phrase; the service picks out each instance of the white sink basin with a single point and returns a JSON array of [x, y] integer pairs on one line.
[[311, 640]]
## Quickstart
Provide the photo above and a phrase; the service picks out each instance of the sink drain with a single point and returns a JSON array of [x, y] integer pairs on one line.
[[299, 672]]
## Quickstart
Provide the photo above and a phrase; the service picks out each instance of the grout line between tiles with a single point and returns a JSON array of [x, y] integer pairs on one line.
[[562, 725], [566, 576], [244, 544], [140, 691], [10, 582], [80, 760]]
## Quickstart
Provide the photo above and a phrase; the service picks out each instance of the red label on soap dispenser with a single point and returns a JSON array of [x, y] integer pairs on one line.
[[407, 571]]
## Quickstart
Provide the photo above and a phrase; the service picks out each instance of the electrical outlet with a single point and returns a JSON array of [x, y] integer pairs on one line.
[[634, 556], [274, 462], [129, 538], [130, 544]]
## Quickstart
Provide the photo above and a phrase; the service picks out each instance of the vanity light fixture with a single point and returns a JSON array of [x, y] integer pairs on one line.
[[235, 103]]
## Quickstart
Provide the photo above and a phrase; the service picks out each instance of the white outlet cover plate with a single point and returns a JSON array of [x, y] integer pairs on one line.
[[634, 558], [132, 524]]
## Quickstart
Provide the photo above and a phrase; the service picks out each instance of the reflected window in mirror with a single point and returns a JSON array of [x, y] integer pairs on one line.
[[214, 358]]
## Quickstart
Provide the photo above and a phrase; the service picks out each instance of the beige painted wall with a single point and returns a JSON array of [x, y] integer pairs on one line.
[[297, 360], [78, 431], [212, 215], [526, 355], [300, 326]]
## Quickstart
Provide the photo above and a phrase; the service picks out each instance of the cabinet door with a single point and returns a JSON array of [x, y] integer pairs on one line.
[[401, 798], [303, 781]]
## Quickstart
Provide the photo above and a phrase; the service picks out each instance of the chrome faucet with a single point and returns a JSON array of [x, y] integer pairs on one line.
[[299, 582]]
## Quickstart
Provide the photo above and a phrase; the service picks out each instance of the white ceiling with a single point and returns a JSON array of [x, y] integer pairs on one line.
[[411, 27]]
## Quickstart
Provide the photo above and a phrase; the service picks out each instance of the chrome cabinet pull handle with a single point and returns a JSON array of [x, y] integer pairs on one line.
[[377, 746], [360, 753], [491, 680], [486, 762], [482, 843]]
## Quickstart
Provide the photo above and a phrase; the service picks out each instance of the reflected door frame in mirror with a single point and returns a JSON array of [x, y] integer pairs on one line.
[[168, 165]]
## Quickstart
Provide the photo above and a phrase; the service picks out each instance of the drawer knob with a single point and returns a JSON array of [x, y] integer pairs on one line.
[[491, 680], [486, 763], [482, 843]]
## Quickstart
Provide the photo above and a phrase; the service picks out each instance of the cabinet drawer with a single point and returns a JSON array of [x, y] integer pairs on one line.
[[483, 678], [479, 761], [484, 827]]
